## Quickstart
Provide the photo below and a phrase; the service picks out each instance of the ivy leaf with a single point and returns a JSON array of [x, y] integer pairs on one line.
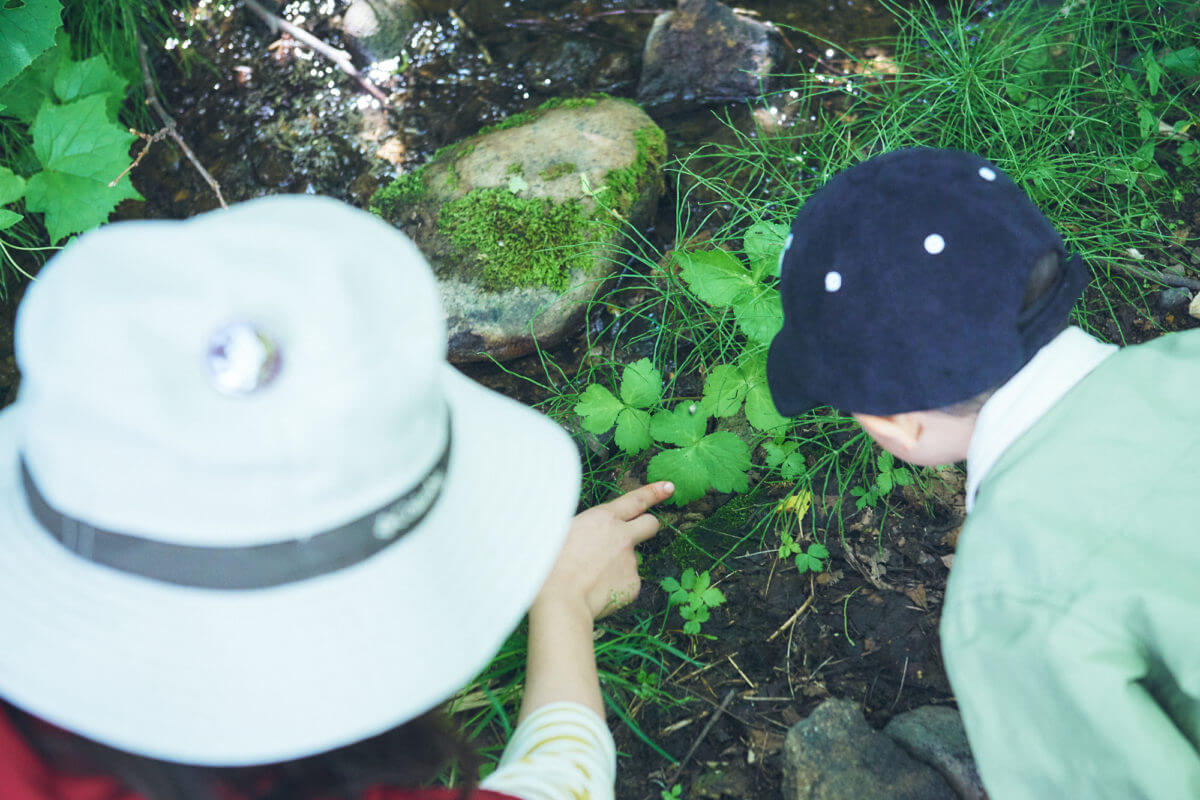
[[26, 30], [633, 430], [759, 313], [715, 276], [79, 79], [12, 186], [598, 408], [81, 150], [641, 384], [724, 389], [683, 426], [764, 246]]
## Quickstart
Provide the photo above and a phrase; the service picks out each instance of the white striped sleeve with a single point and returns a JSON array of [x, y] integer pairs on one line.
[[562, 751]]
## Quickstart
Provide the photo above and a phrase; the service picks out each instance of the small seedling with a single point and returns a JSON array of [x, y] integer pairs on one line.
[[810, 560], [888, 477], [674, 793], [695, 596]]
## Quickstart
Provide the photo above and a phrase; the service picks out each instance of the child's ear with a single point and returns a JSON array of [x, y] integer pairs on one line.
[[896, 433]]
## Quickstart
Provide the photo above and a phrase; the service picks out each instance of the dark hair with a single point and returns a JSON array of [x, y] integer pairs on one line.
[[1042, 279], [406, 756]]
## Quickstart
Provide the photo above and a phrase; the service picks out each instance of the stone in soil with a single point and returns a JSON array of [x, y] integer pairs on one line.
[[705, 52], [522, 223], [835, 755], [935, 736], [1169, 299]]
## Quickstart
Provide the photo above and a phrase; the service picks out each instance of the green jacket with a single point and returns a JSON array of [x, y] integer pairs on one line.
[[1071, 628]]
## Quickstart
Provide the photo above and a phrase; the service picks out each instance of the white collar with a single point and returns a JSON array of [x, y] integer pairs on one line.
[[1028, 395]]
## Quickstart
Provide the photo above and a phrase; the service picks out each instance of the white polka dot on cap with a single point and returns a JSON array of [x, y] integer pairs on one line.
[[987, 174], [833, 281], [934, 244]]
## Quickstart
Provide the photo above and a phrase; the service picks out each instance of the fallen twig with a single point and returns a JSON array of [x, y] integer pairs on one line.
[[339, 57], [703, 733], [149, 140], [1166, 278], [792, 618], [169, 126]]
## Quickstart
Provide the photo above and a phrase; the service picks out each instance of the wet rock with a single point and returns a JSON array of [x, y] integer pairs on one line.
[[704, 52], [835, 755], [1170, 299], [379, 28], [934, 735], [522, 222]]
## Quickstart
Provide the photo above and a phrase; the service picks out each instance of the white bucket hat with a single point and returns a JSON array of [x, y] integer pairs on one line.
[[247, 511]]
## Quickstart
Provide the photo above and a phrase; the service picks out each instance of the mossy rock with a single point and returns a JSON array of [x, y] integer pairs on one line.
[[523, 222]]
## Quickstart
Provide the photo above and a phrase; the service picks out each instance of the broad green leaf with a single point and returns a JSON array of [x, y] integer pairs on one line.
[[793, 467], [884, 461], [12, 186], [1154, 72], [641, 384], [715, 276], [598, 408], [81, 151], [8, 219], [33, 88], [759, 313], [691, 627], [26, 30], [702, 581], [684, 426], [685, 468], [79, 79], [760, 408], [669, 584], [1147, 122], [713, 597], [1184, 62], [884, 481], [724, 389], [726, 458], [902, 476], [633, 430], [688, 579], [764, 247], [776, 453], [818, 550]]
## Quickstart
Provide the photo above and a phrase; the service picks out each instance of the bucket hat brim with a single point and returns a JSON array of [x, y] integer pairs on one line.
[[230, 678]]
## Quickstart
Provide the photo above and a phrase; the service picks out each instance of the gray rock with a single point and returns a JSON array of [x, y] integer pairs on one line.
[[379, 28], [556, 161], [835, 755], [704, 52], [935, 736], [1170, 299]]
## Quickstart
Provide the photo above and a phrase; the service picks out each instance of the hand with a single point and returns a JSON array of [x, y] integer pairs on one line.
[[597, 568]]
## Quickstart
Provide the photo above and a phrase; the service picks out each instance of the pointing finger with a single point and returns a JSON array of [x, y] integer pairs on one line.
[[632, 505]]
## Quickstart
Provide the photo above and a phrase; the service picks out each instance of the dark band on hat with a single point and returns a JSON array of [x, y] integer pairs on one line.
[[253, 567]]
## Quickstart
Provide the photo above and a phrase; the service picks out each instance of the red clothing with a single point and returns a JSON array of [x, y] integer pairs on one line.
[[24, 776]]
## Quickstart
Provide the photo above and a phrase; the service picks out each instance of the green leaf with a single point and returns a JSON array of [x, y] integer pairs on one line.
[[12, 186], [81, 152], [669, 584], [793, 467], [715, 276], [685, 468], [724, 389], [688, 579], [641, 384], [759, 313], [776, 453], [684, 426], [764, 247], [598, 408], [1184, 62], [79, 79], [26, 30], [726, 458], [34, 87], [818, 550], [712, 597], [884, 461], [884, 481], [802, 562], [633, 430], [1147, 122], [702, 581], [760, 408], [691, 627], [8, 218], [902, 476]]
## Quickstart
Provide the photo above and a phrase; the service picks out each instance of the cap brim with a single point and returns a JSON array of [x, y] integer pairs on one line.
[[233, 678], [782, 380]]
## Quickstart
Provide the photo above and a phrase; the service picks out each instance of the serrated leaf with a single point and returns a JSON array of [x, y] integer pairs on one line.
[[724, 389], [884, 481], [760, 408], [26, 31], [33, 88], [691, 627], [71, 203], [715, 276], [633, 430], [641, 384], [1184, 62], [764, 245], [702, 581], [726, 458], [902, 476], [776, 453], [802, 562], [688, 579], [818, 550], [8, 219], [759, 313], [12, 186], [713, 597], [598, 408], [884, 461], [669, 585], [793, 467], [92, 76], [815, 564], [684, 426], [679, 597], [683, 467], [700, 614]]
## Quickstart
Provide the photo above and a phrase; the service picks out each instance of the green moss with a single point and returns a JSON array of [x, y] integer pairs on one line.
[[516, 169], [525, 117], [557, 170], [621, 186], [518, 241], [404, 191]]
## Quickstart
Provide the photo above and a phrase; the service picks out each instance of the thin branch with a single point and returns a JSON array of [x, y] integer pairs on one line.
[[339, 57], [708, 727], [162, 133], [1165, 278], [169, 125]]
